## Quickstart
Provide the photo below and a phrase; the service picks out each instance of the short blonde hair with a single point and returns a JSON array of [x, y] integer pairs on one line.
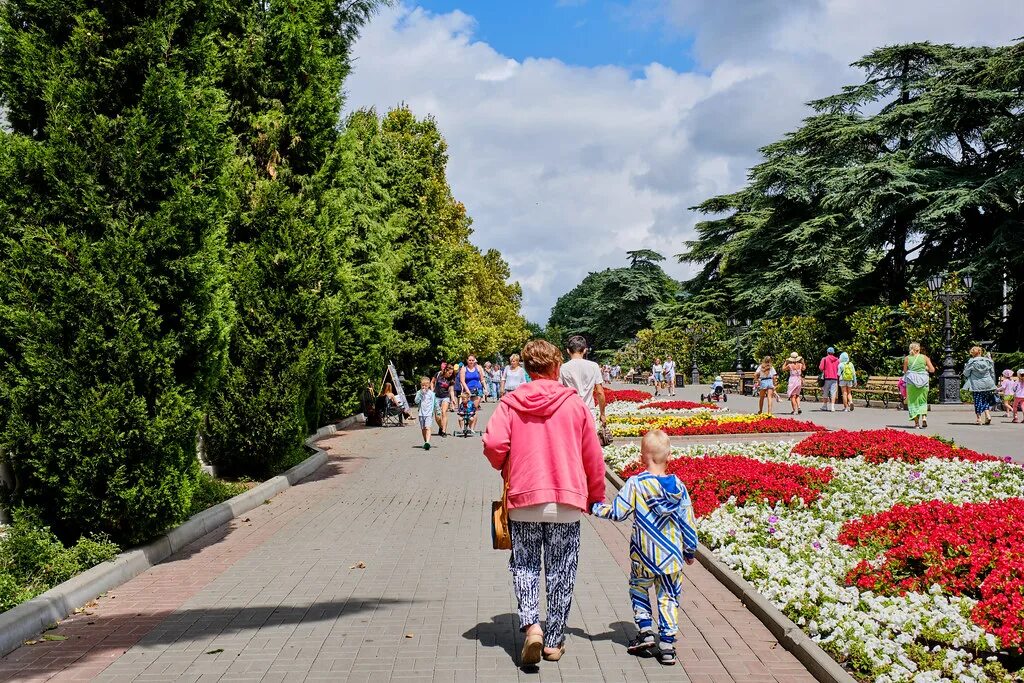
[[657, 446], [915, 347], [976, 350], [541, 358], [513, 357]]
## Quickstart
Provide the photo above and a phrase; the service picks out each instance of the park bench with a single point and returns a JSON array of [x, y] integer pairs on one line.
[[882, 388], [731, 381]]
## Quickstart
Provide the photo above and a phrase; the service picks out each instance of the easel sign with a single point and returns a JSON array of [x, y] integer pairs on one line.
[[391, 375]]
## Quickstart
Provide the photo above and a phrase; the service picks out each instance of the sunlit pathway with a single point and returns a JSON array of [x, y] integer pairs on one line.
[[381, 569]]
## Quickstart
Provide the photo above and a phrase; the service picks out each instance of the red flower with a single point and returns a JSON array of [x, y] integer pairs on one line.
[[880, 445], [769, 425], [626, 396], [975, 549], [712, 481]]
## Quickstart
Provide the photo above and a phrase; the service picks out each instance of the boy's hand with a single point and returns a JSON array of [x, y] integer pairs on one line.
[[690, 560]]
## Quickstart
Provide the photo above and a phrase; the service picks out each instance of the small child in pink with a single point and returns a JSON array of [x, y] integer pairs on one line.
[[1018, 393], [1006, 391]]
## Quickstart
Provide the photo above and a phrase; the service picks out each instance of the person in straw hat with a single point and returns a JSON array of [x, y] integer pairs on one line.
[[795, 365]]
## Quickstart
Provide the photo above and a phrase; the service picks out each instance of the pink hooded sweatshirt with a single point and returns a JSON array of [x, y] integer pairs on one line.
[[556, 457]]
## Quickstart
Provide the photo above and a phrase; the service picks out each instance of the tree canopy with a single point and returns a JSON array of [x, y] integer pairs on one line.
[[609, 307], [193, 244]]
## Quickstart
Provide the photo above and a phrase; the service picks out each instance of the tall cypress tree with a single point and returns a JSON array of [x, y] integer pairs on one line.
[[285, 65], [114, 311]]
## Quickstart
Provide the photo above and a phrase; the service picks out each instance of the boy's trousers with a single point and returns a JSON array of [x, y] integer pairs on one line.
[[668, 588]]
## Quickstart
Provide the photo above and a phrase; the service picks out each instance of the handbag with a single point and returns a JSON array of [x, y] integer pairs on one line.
[[501, 538], [605, 435]]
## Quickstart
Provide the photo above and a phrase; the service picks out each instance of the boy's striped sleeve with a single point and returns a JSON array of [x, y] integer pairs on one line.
[[688, 525], [620, 508]]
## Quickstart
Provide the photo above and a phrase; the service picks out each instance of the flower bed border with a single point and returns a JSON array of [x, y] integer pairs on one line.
[[819, 664], [31, 617]]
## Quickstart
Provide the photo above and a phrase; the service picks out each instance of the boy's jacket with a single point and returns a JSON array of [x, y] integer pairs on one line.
[[664, 528]]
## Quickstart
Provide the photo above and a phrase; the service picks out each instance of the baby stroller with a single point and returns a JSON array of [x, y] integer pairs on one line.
[[717, 392], [467, 416]]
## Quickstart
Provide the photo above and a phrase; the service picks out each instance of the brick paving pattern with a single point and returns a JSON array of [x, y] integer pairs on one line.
[[379, 569]]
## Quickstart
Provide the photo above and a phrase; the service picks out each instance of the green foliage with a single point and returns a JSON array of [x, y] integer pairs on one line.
[[33, 560], [210, 491], [114, 306], [611, 306], [778, 338], [191, 243], [915, 171]]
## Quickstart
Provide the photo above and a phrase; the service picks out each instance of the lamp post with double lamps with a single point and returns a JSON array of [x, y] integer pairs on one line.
[[949, 381], [697, 335], [738, 327]]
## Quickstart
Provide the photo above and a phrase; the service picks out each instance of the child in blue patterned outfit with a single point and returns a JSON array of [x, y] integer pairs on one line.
[[664, 538]]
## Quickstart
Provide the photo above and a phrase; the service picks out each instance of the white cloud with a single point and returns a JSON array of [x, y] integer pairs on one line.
[[564, 167]]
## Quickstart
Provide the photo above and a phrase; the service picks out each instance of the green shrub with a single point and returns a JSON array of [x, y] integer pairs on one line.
[[210, 491], [114, 305], [33, 560]]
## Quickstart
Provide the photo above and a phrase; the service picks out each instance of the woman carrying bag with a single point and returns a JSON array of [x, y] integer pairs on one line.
[[542, 438], [980, 380], [916, 370]]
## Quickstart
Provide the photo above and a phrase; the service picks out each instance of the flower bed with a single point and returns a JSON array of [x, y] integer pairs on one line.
[[626, 396], [880, 445], [713, 481], [931, 628], [705, 424], [974, 549]]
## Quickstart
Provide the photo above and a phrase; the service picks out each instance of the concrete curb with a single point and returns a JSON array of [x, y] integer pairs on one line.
[[817, 661], [34, 616]]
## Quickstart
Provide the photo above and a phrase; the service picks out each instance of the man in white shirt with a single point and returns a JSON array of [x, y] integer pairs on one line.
[[583, 375], [670, 375]]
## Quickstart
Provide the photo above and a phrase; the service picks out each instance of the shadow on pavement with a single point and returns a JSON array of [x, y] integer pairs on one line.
[[204, 622], [503, 631]]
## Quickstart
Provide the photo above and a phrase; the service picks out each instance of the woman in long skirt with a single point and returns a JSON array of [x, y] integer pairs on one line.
[[916, 370]]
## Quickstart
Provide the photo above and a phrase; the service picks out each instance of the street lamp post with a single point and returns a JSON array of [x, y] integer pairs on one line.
[[949, 381], [697, 334], [739, 327]]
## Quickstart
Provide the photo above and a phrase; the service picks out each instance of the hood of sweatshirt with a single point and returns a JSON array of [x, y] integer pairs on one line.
[[539, 398], [670, 500]]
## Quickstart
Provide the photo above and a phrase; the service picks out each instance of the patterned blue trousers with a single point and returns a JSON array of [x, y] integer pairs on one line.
[[668, 587], [560, 546]]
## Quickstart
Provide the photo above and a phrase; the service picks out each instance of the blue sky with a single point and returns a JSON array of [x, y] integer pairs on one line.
[[580, 32], [580, 129]]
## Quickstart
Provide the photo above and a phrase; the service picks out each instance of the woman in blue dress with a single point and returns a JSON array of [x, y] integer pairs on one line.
[[472, 378]]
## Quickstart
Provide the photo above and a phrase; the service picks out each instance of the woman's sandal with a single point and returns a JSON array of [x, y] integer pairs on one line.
[[556, 655], [533, 646]]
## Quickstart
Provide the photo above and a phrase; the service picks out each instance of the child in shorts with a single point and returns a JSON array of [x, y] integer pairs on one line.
[[425, 400], [1006, 391], [664, 538]]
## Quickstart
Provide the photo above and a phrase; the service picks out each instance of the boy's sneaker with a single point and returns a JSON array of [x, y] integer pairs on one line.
[[667, 654], [426, 445], [642, 644]]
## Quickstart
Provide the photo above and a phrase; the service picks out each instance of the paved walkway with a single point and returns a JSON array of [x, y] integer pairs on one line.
[[1002, 437], [379, 569]]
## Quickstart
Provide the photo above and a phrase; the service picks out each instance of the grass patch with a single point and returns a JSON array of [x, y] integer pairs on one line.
[[33, 560], [210, 491]]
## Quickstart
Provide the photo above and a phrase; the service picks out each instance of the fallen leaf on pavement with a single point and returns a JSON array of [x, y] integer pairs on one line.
[[54, 636], [358, 565], [215, 652]]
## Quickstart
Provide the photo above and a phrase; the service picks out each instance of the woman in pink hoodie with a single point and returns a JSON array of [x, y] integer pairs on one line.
[[555, 471]]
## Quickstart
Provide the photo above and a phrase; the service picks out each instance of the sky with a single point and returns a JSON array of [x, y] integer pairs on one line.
[[580, 129]]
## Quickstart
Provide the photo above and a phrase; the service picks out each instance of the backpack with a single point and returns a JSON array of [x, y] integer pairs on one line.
[[847, 373]]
